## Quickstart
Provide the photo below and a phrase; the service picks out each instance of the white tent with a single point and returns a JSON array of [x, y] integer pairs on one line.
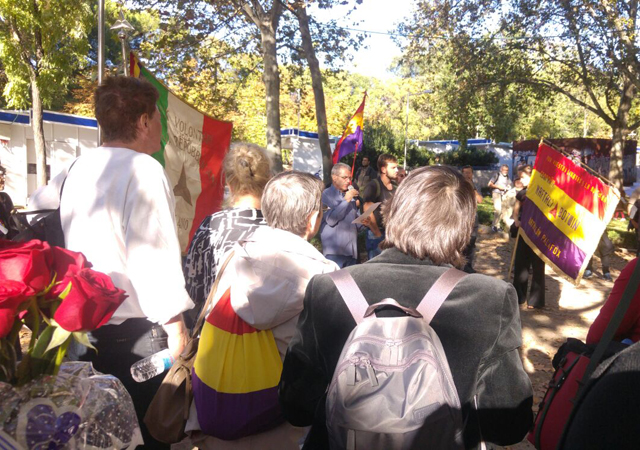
[[305, 147]]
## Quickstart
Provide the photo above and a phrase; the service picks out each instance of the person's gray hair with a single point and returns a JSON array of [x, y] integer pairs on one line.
[[336, 168], [431, 215], [289, 199]]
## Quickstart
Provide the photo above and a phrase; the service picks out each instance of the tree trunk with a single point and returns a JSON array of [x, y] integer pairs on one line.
[[620, 130], [318, 91], [271, 79], [38, 134]]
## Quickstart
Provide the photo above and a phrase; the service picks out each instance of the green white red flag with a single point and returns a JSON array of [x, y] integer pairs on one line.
[[193, 147]]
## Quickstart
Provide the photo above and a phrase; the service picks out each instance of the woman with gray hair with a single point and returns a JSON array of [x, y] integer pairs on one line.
[[260, 293], [428, 226]]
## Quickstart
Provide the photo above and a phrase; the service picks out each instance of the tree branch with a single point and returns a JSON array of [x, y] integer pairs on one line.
[[554, 87], [583, 65]]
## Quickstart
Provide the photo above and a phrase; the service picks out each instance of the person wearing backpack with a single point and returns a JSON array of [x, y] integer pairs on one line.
[[255, 310], [606, 415], [428, 225], [117, 208]]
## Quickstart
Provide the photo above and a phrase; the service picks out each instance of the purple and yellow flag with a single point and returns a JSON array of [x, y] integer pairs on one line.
[[235, 375], [351, 139], [567, 211]]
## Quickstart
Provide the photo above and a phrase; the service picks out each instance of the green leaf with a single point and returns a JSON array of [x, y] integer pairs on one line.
[[66, 291], [60, 335], [48, 321], [51, 285], [82, 338]]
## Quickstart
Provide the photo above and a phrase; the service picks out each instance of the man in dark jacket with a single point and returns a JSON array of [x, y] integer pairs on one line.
[[364, 174], [428, 225], [338, 234]]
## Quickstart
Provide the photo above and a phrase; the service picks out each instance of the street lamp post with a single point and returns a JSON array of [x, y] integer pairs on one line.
[[123, 27], [100, 53], [406, 122]]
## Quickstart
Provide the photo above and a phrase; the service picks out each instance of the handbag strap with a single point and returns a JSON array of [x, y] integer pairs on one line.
[[614, 323], [44, 211], [65, 178], [200, 321]]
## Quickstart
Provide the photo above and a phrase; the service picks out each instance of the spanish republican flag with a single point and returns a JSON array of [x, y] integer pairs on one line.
[[566, 212], [351, 139], [235, 375], [193, 147]]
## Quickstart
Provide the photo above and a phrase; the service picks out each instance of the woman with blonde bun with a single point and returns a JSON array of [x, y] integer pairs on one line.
[[247, 170]]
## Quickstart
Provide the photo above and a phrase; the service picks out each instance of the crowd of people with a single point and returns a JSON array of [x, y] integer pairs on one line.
[[276, 295]]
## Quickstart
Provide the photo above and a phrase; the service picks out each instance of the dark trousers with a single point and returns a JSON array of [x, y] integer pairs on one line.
[[525, 258], [119, 346], [604, 251], [469, 253], [342, 261]]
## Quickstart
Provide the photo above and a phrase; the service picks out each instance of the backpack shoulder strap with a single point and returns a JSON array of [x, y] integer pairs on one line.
[[378, 189], [65, 179], [439, 292], [351, 294]]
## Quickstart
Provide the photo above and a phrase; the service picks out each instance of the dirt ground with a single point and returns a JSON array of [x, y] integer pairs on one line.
[[569, 310]]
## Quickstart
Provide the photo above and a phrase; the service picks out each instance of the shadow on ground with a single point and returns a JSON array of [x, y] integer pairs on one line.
[[569, 309]]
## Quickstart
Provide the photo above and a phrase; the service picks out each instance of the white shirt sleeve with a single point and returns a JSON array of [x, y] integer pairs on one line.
[[48, 196], [152, 247]]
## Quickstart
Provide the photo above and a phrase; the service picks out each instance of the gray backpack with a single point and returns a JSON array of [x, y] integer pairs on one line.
[[392, 387]]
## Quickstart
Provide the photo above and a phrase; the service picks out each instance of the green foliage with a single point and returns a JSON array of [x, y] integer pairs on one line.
[[468, 156], [79, 97], [620, 236], [3, 82], [43, 42], [485, 211]]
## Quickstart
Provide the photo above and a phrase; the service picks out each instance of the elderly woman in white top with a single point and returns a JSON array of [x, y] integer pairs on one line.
[[257, 304]]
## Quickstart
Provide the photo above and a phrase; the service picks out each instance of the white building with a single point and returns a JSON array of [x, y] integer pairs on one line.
[[66, 137]]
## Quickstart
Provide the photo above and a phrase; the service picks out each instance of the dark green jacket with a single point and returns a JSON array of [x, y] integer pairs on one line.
[[478, 324]]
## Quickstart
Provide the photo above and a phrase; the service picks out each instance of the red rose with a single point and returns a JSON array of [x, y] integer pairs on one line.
[[66, 262], [12, 294], [91, 302], [27, 262]]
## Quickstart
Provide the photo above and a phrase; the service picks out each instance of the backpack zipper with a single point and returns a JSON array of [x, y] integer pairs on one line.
[[385, 341], [356, 361]]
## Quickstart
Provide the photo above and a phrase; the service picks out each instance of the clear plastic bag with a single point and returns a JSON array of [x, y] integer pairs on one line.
[[78, 408]]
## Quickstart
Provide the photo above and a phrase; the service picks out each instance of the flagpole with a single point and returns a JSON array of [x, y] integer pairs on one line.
[[100, 54], [353, 166], [513, 256]]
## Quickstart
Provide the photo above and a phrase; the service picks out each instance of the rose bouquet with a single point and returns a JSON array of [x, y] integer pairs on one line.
[[55, 293], [47, 403]]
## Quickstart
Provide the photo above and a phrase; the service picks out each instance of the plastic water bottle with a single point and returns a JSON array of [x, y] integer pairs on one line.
[[151, 366]]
